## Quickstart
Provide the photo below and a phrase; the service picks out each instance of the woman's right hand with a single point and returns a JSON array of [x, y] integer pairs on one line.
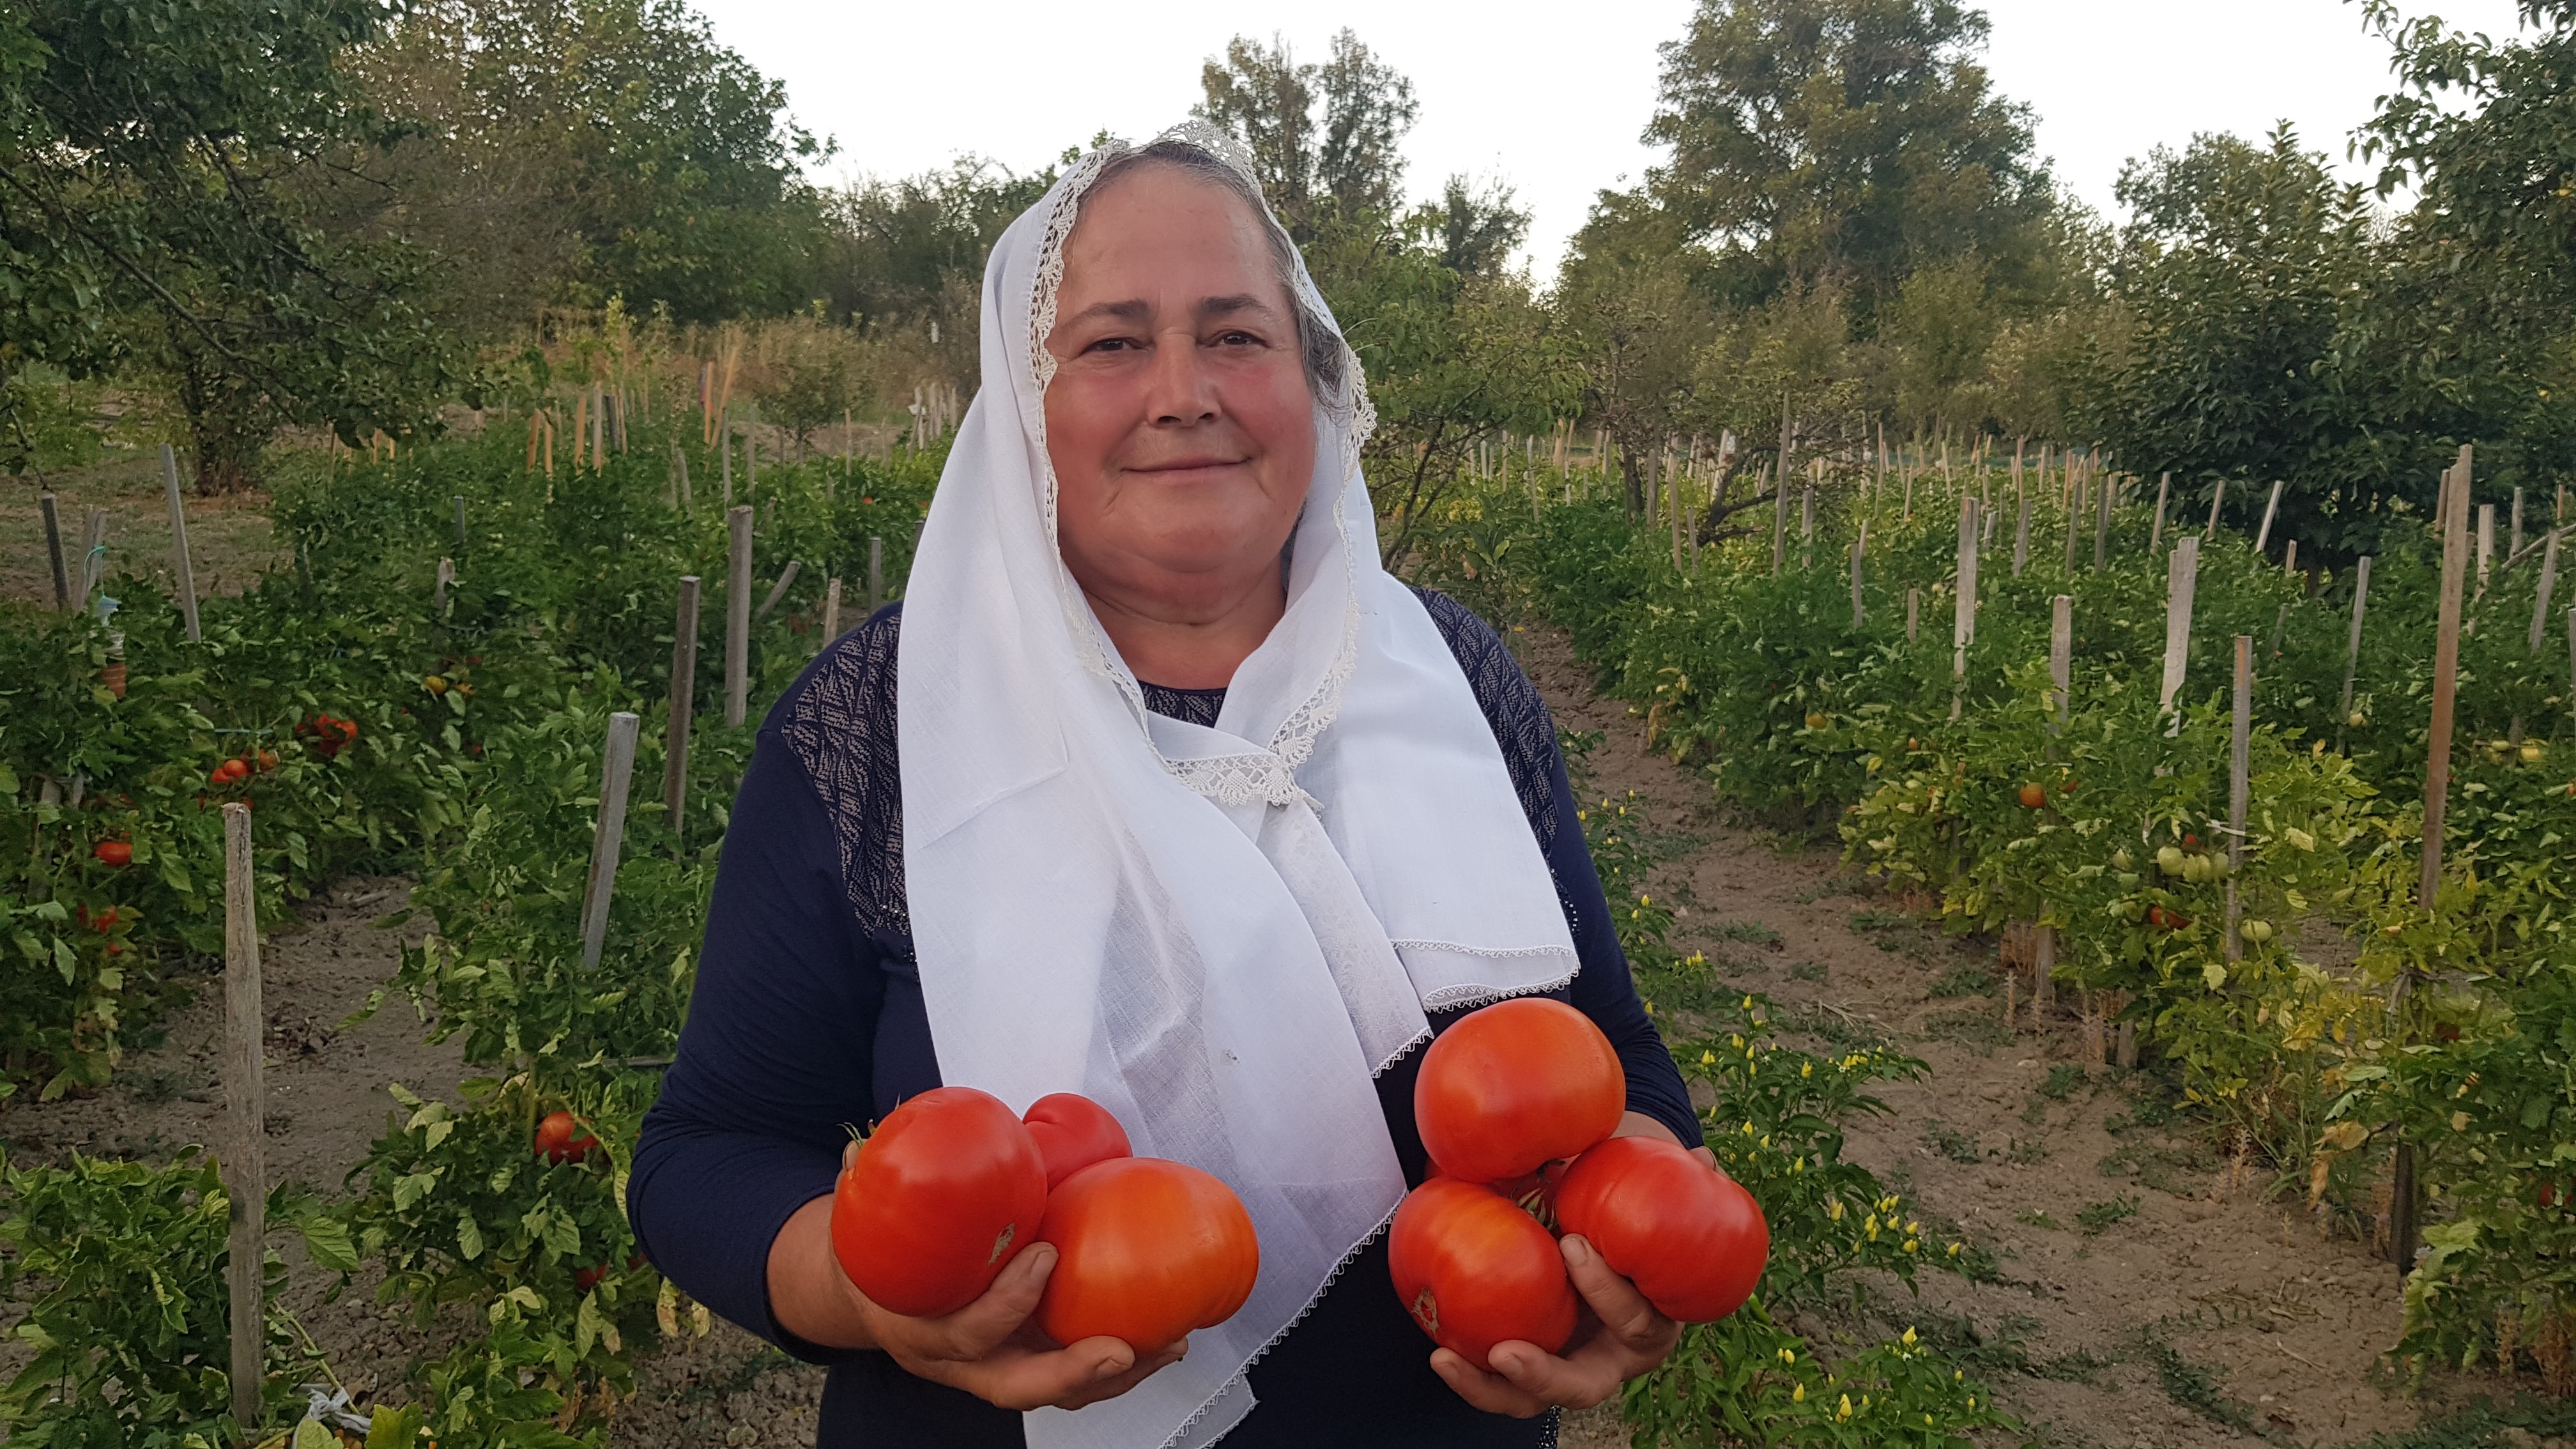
[[990, 1348]]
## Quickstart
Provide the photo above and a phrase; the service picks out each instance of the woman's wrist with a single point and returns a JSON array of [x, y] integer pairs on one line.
[[809, 1296]]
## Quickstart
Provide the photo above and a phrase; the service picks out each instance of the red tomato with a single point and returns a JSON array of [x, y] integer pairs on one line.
[[1474, 1270], [113, 852], [116, 948], [268, 759], [107, 921], [1072, 1132], [588, 1278], [2033, 795], [1147, 1250], [561, 1139], [234, 769], [941, 1194], [1692, 1241], [1516, 1084], [219, 776]]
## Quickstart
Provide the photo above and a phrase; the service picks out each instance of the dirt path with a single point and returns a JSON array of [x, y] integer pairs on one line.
[[2153, 1296]]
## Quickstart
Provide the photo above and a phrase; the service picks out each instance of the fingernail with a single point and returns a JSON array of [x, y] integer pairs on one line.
[[1578, 1252], [1111, 1367]]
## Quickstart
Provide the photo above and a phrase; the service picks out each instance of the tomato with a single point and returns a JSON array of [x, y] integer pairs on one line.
[[2033, 795], [588, 1278], [1072, 1132], [938, 1198], [116, 948], [267, 760], [1146, 1251], [1692, 1240], [1514, 1085], [2066, 786], [113, 852], [561, 1139], [1475, 1271], [434, 684], [1816, 720], [237, 769], [218, 777]]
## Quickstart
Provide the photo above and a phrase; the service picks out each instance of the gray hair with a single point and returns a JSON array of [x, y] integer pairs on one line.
[[1319, 343]]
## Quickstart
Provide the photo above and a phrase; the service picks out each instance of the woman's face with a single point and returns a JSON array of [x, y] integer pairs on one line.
[[1179, 421]]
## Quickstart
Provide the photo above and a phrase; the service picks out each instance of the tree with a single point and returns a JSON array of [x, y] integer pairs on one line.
[[156, 172], [1343, 163], [1477, 227], [2239, 268], [1845, 142]]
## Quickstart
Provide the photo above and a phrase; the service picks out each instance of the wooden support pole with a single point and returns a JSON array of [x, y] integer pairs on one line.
[[876, 575], [2240, 745], [2513, 541], [2271, 510], [48, 505], [777, 591], [2061, 655], [2101, 524], [2021, 519], [460, 521], [738, 616], [246, 1114], [1913, 614], [680, 462], [2290, 557], [1963, 628], [684, 688], [2074, 510], [2164, 491], [2352, 646], [2446, 672], [1859, 546], [179, 544], [616, 773], [2548, 585], [438, 590], [2182, 578], [1807, 516], [2043, 972], [2217, 496], [724, 462], [831, 614], [1780, 495], [2486, 544]]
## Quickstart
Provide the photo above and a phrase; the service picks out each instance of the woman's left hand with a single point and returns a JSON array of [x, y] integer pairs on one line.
[[1621, 1337]]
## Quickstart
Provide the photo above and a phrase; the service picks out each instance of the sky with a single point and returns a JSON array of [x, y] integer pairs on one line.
[[1551, 99]]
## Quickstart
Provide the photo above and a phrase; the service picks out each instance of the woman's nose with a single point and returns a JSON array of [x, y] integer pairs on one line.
[[1180, 389]]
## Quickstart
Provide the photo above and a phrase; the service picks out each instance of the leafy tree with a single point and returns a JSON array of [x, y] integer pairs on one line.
[[606, 148], [2241, 265], [1477, 227], [1843, 141], [915, 248], [155, 172], [1340, 163]]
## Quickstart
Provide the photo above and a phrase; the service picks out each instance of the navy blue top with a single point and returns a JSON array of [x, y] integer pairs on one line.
[[807, 1016]]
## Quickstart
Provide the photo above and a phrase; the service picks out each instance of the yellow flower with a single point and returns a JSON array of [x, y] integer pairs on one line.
[[1843, 1414], [1954, 1250], [1806, 1069], [1911, 1244], [1907, 1338], [1788, 1355], [1708, 1059], [1834, 1210], [1798, 1395]]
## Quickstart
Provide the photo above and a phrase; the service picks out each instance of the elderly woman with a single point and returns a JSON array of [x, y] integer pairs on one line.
[[1159, 789]]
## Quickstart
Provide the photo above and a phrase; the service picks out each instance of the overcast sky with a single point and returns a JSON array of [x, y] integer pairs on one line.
[[1550, 98]]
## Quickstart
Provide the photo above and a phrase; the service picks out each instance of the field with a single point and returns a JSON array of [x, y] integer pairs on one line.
[[2155, 1210]]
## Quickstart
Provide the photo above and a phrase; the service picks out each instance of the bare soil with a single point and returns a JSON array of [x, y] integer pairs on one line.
[[2209, 1314], [230, 542]]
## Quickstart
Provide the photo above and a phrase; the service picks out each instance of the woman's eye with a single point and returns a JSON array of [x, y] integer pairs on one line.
[[1111, 344], [1237, 339]]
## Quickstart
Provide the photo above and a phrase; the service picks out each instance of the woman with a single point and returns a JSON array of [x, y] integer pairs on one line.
[[1158, 788]]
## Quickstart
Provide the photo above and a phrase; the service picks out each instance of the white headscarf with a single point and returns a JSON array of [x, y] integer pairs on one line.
[[1221, 935]]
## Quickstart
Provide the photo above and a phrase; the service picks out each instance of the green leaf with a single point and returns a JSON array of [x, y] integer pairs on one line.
[[326, 1242], [469, 1237]]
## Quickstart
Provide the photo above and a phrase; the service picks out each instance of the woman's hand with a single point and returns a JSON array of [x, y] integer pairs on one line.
[[1621, 1336], [990, 1348]]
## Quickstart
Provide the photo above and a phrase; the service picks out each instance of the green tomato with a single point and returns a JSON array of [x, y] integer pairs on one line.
[[2169, 859], [2120, 860], [2257, 932]]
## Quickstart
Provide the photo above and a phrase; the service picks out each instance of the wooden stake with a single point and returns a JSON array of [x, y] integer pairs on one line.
[[2548, 584], [2074, 510], [54, 550], [2061, 654], [460, 521], [438, 590], [246, 1112], [179, 544], [684, 687], [831, 614], [876, 575], [2043, 973], [2446, 671], [2486, 544], [738, 617], [1780, 496], [680, 460], [2164, 491], [1807, 516], [1913, 614], [2182, 577], [2290, 558], [777, 591], [2217, 495], [724, 463], [616, 771], [2352, 646], [2513, 543], [2101, 524], [1963, 628], [1859, 546], [2271, 509], [2239, 784]]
